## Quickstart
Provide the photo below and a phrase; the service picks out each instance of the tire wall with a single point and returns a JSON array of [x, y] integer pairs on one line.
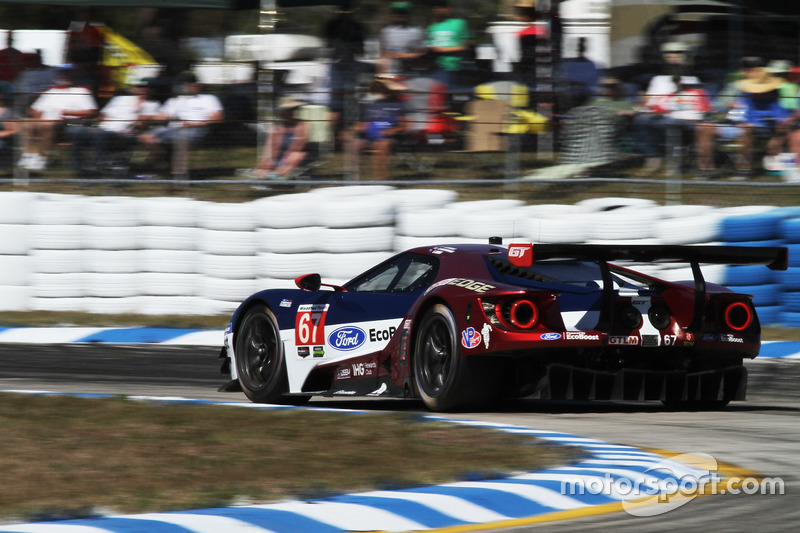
[[189, 257]]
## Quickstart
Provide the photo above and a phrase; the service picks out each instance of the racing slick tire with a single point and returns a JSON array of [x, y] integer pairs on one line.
[[441, 374], [259, 355]]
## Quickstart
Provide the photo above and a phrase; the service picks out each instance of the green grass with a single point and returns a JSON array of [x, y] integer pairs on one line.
[[69, 457]]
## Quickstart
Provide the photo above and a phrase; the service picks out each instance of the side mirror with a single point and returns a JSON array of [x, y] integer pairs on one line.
[[309, 282]]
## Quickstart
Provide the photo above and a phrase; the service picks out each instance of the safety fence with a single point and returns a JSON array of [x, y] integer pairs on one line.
[[166, 256]]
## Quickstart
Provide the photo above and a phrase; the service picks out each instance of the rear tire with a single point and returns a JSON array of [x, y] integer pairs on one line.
[[440, 372], [260, 360]]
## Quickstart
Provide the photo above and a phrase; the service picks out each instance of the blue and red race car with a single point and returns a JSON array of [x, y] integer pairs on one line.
[[460, 324]]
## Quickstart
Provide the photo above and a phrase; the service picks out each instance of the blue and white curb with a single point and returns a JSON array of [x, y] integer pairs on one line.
[[623, 471], [205, 337]]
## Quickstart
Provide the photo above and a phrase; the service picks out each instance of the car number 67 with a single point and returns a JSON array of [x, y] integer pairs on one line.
[[670, 340]]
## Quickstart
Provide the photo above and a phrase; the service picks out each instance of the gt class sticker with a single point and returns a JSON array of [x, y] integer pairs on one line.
[[470, 338], [520, 255], [309, 324]]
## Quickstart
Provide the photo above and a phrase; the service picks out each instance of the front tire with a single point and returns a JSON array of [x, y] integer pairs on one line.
[[259, 355], [440, 372]]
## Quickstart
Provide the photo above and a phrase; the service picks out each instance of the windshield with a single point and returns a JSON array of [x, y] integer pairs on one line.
[[403, 273]]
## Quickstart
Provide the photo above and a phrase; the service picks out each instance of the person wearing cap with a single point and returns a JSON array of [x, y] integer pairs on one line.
[[400, 41], [189, 116], [789, 90], [756, 111], [383, 120], [285, 148], [121, 120], [62, 105], [450, 39]]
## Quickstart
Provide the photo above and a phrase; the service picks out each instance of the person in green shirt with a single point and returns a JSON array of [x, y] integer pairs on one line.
[[449, 38]]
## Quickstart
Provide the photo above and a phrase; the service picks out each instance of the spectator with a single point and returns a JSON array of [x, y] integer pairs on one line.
[[650, 125], [449, 38], [382, 121], [32, 82], [531, 37], [612, 96], [12, 61], [9, 126], [756, 111], [189, 115], [789, 90], [400, 41], [577, 78], [55, 109], [344, 37], [120, 122], [286, 145]]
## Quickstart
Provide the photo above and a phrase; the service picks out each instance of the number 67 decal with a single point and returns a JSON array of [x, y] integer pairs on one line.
[[309, 324]]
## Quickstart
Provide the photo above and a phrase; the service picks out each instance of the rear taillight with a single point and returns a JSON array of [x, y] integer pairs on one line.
[[514, 313], [738, 316]]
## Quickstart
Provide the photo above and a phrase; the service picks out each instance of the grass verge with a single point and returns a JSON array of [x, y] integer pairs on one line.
[[71, 457]]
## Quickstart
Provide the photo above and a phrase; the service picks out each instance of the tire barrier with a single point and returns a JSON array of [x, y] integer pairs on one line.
[[183, 256]]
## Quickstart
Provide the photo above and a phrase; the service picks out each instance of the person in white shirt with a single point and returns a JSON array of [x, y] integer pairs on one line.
[[189, 116], [50, 113], [120, 122]]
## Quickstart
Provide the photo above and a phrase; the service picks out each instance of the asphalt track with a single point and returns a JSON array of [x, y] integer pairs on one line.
[[761, 435]]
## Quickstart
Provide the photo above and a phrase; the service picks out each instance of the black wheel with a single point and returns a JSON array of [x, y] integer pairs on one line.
[[259, 357], [439, 370]]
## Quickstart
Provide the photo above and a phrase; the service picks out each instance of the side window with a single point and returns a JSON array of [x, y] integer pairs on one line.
[[405, 273]]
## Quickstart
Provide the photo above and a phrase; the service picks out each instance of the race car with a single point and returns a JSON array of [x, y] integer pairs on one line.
[[459, 325]]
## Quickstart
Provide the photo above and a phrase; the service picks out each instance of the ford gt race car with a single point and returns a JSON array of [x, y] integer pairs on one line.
[[460, 324]]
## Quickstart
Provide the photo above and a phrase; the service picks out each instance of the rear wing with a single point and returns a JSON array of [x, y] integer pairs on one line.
[[775, 258]]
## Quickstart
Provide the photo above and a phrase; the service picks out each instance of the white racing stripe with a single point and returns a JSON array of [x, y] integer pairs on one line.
[[201, 523], [458, 508], [540, 495], [46, 335], [348, 516]]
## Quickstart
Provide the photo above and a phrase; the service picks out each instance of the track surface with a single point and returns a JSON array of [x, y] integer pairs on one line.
[[762, 434]]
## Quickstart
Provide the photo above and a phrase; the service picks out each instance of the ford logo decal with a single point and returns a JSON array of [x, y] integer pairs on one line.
[[550, 336], [346, 339]]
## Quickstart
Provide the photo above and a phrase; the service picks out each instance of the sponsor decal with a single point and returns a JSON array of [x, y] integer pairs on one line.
[[361, 370], [485, 331], [319, 351], [464, 283], [376, 335], [303, 351], [688, 344], [709, 337], [689, 336], [629, 340], [581, 336], [407, 323], [345, 393], [343, 372], [639, 302], [725, 337], [470, 338], [309, 324], [650, 340], [552, 336], [285, 303], [520, 255], [229, 329], [347, 338], [442, 250]]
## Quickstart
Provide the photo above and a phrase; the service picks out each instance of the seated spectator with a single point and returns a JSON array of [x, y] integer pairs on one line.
[[55, 109], [286, 144], [679, 111], [383, 119], [611, 95], [757, 110], [120, 122], [189, 115], [9, 126], [788, 90], [651, 125], [33, 81]]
